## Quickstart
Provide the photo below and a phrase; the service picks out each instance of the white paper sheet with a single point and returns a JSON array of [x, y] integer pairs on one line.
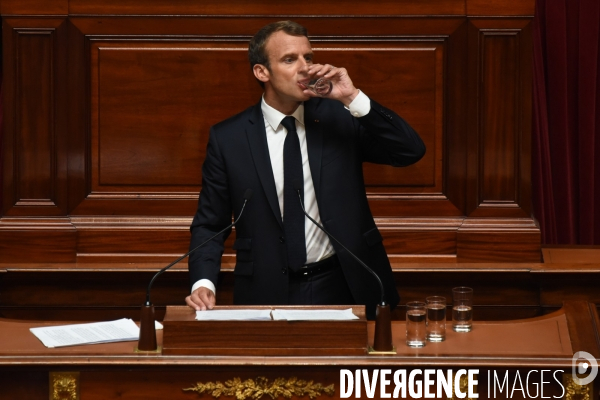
[[314, 315], [121, 330], [234, 315]]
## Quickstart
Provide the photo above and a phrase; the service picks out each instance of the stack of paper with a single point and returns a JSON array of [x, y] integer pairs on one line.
[[276, 314], [234, 315], [97, 332], [314, 315]]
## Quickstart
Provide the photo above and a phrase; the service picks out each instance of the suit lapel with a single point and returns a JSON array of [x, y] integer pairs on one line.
[[314, 141], [257, 139]]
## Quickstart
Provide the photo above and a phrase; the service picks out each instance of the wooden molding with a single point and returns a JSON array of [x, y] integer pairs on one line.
[[103, 144]]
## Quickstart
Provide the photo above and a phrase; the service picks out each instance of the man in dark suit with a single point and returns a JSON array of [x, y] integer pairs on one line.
[[297, 146]]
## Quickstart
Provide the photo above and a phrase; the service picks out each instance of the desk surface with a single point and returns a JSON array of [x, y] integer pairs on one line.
[[550, 340]]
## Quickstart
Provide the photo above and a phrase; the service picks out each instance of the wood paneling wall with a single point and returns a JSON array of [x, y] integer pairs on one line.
[[108, 104]]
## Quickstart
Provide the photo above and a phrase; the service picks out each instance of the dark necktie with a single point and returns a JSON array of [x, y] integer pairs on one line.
[[293, 217]]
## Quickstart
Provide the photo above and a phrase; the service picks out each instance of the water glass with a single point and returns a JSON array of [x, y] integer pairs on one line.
[[436, 318], [321, 86], [415, 324], [462, 309]]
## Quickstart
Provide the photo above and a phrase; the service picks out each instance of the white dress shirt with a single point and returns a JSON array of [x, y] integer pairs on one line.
[[318, 245]]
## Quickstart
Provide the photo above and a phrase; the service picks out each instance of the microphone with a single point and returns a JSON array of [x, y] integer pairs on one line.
[[147, 339], [383, 319]]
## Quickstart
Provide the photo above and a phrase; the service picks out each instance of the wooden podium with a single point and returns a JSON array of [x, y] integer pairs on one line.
[[108, 371], [183, 334]]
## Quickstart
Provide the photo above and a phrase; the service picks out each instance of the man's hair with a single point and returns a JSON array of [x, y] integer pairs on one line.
[[256, 50]]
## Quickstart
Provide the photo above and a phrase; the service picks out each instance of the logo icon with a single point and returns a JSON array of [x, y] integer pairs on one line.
[[582, 362]]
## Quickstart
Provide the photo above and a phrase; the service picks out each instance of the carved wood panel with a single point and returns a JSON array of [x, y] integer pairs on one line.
[[34, 168], [152, 105], [501, 132], [110, 134]]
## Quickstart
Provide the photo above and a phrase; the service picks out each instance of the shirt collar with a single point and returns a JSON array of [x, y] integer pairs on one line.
[[274, 117]]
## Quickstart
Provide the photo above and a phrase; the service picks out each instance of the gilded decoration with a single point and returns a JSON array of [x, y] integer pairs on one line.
[[64, 385], [574, 391], [259, 387], [464, 388]]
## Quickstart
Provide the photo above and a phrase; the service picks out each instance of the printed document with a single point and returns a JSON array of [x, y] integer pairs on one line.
[[234, 315], [121, 330], [314, 315]]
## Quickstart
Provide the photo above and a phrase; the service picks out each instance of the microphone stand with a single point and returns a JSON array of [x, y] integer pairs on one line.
[[147, 339], [382, 342]]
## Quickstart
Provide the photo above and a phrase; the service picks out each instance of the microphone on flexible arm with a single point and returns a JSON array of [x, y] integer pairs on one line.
[[147, 339], [383, 319]]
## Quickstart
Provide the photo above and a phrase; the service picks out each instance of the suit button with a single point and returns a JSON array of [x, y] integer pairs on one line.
[[281, 239], [283, 271]]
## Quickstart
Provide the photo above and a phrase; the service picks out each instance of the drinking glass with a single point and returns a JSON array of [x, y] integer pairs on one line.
[[415, 324], [462, 309], [436, 318], [321, 86]]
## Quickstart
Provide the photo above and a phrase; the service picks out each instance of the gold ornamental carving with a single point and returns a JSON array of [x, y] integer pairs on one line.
[[259, 387], [573, 391], [64, 386], [463, 386]]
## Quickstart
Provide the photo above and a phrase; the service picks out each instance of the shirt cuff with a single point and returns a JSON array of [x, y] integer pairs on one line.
[[360, 106], [204, 283]]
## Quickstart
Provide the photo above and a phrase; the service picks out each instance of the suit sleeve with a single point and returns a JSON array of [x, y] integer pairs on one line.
[[214, 213], [387, 139]]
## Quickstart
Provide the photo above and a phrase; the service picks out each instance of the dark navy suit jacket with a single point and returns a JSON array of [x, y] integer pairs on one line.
[[237, 159]]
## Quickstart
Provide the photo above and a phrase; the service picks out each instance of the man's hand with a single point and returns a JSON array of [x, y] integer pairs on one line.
[[343, 88], [201, 299]]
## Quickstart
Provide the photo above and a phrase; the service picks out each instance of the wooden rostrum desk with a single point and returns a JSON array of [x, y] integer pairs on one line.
[[28, 370]]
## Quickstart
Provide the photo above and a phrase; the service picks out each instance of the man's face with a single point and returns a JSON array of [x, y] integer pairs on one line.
[[289, 58]]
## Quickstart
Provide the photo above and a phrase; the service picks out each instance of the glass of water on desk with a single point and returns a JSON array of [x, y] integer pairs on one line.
[[415, 324], [436, 318], [462, 309]]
